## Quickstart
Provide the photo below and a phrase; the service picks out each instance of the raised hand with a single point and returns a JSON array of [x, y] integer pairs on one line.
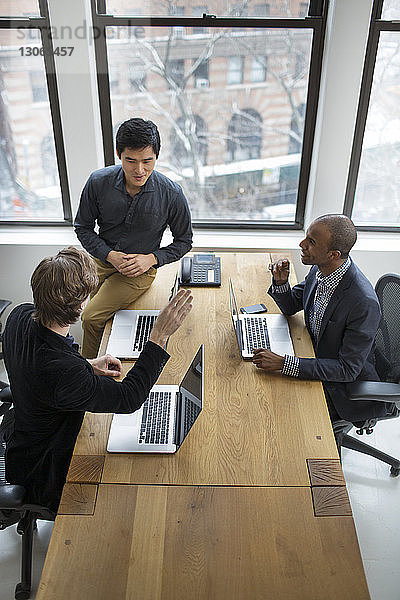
[[171, 317], [280, 271]]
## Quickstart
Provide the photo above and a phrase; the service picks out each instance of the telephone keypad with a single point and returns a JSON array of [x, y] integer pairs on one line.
[[203, 274]]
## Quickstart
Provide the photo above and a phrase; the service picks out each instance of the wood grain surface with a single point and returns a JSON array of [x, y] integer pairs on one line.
[[85, 469], [325, 472], [255, 428], [203, 543], [331, 501], [78, 499], [243, 525]]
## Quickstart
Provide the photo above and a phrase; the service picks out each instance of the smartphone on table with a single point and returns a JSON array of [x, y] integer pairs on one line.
[[253, 309]]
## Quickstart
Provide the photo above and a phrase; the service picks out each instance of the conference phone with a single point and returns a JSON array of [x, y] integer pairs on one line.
[[201, 270]]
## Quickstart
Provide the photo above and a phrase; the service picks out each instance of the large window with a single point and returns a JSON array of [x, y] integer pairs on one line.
[[228, 96], [30, 189], [373, 192], [277, 8]]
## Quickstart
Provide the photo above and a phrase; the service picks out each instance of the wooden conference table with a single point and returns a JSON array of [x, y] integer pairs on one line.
[[252, 506]]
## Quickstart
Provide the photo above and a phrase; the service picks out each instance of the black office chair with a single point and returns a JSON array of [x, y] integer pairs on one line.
[[387, 356], [3, 306], [13, 508]]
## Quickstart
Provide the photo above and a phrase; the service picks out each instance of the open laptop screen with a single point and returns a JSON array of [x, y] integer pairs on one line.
[[235, 316], [190, 400], [175, 288]]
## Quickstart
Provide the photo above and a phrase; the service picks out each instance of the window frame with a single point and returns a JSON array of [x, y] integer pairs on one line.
[[376, 27], [315, 21], [43, 24]]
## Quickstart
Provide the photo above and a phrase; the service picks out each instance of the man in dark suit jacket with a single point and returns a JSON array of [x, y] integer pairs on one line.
[[342, 315], [53, 385]]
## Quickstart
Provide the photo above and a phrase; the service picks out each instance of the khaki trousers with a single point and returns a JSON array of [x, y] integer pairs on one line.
[[114, 292]]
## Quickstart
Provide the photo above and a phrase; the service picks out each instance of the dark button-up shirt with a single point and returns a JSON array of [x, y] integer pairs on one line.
[[133, 225]]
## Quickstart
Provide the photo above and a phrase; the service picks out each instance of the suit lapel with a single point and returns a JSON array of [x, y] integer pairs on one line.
[[309, 296], [336, 298]]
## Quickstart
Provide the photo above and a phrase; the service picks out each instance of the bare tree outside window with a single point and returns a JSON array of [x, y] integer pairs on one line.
[[377, 197], [175, 72], [137, 77], [229, 103], [244, 135], [201, 77], [232, 151], [180, 150], [29, 180]]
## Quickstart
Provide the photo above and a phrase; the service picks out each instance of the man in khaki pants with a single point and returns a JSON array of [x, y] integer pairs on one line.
[[132, 205]]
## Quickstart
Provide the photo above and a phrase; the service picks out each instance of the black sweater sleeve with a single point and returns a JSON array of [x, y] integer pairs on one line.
[[78, 388]]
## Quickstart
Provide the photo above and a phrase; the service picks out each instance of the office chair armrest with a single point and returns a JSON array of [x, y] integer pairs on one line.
[[378, 391]]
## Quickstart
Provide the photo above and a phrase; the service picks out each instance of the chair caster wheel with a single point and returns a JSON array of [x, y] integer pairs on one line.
[[22, 591], [394, 471]]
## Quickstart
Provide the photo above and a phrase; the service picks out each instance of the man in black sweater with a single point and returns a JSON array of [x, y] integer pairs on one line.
[[53, 385]]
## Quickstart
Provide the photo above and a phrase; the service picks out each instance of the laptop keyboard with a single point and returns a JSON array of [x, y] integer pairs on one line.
[[155, 419], [256, 334], [144, 326]]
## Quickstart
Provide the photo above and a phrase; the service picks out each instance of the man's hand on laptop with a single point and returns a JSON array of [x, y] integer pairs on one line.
[[106, 365], [171, 317], [267, 360], [280, 271]]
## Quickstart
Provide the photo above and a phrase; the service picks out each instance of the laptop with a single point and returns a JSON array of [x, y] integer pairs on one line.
[[259, 331], [130, 330], [165, 419]]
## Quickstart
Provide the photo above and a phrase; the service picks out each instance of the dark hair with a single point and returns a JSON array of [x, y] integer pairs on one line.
[[60, 284], [137, 134], [342, 230]]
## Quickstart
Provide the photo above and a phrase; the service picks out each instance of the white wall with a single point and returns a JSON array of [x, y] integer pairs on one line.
[[345, 43]]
